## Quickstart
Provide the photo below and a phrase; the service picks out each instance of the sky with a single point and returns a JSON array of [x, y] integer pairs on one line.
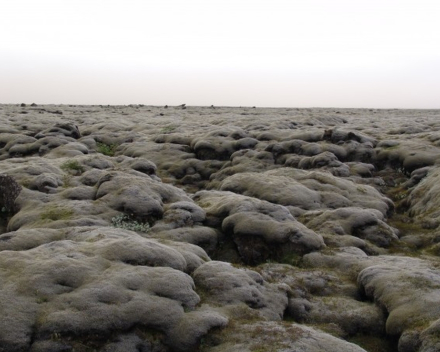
[[272, 53]]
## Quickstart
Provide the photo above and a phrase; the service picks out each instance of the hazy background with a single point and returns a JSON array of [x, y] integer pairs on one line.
[[297, 53]]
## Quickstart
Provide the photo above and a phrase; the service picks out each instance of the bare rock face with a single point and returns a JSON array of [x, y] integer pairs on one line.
[[161, 229]]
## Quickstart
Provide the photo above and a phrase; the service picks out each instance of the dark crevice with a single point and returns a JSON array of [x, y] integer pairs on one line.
[[3, 227]]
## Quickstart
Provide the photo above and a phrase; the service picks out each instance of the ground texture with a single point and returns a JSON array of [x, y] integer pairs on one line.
[[160, 229]]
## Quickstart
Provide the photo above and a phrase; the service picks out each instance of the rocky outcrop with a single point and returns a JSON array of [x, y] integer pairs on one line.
[[260, 230]]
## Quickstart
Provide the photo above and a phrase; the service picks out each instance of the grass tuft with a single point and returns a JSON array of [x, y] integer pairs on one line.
[[106, 149], [72, 165]]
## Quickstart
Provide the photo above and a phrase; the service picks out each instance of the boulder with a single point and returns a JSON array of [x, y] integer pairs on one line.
[[260, 230], [223, 284]]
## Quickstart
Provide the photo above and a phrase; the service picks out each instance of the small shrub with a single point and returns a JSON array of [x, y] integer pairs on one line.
[[126, 222], [106, 149], [72, 165], [291, 258]]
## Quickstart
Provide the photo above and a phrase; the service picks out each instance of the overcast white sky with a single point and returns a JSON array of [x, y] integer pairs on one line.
[[297, 53]]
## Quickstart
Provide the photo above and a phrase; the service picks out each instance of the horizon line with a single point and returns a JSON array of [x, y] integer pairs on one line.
[[211, 106]]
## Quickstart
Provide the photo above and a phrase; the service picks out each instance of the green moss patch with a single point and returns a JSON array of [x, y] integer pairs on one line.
[[72, 166], [106, 149], [168, 129], [56, 213]]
